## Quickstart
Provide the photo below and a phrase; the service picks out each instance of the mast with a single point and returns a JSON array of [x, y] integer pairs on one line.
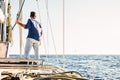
[[63, 33], [20, 29]]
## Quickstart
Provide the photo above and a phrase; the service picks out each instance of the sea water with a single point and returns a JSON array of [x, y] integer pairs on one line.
[[97, 67]]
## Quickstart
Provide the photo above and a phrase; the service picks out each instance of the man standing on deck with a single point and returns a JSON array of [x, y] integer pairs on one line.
[[34, 34]]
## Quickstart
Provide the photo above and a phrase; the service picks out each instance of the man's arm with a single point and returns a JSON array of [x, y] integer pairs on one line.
[[21, 24]]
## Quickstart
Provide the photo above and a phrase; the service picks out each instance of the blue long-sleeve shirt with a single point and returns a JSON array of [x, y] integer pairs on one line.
[[34, 29]]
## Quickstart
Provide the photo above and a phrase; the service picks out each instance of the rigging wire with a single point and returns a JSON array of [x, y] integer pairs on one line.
[[63, 34], [52, 33], [38, 7], [47, 33], [18, 16], [20, 29]]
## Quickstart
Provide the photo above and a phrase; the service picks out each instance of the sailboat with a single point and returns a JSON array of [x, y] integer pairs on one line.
[[25, 69]]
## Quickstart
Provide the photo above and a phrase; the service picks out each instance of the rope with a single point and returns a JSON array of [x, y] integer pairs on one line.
[[19, 13], [46, 48], [52, 33], [48, 19], [20, 29], [63, 34], [38, 7], [43, 34], [47, 30], [70, 72]]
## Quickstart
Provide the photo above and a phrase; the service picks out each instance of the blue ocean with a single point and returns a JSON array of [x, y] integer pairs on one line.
[[96, 67]]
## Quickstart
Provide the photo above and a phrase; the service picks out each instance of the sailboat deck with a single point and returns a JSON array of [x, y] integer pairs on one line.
[[23, 66], [20, 63], [38, 72], [11, 65], [19, 60]]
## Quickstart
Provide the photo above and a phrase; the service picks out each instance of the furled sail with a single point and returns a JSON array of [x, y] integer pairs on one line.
[[3, 45], [5, 28]]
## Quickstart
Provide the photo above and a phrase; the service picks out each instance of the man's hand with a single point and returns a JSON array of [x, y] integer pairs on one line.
[[21, 24], [17, 22]]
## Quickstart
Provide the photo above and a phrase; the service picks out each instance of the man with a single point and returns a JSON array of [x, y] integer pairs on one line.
[[34, 34]]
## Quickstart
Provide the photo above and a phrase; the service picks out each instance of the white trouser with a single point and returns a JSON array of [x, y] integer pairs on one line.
[[29, 44]]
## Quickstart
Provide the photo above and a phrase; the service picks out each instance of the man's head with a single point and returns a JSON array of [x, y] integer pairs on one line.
[[33, 14]]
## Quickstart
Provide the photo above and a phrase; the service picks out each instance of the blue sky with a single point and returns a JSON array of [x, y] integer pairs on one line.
[[91, 26]]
